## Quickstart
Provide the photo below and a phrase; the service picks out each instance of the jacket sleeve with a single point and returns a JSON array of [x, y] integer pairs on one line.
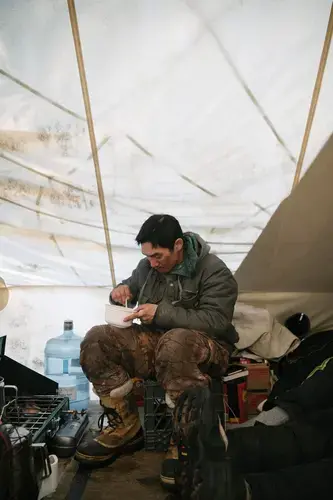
[[311, 394], [214, 311], [134, 281]]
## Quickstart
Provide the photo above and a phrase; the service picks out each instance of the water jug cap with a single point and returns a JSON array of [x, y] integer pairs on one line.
[[68, 325]]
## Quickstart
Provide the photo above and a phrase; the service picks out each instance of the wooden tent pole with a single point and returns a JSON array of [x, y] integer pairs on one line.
[[315, 96], [94, 149]]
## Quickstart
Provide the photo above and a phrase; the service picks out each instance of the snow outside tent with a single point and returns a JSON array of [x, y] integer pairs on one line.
[[199, 110]]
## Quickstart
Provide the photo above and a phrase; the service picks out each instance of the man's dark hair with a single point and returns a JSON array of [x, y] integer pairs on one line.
[[161, 231]]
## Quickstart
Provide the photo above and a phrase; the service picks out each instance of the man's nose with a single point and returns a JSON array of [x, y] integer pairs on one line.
[[153, 262]]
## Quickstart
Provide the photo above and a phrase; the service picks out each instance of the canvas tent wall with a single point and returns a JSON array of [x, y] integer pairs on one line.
[[290, 267], [169, 83], [199, 109]]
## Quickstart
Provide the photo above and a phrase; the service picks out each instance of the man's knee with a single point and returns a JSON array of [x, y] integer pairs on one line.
[[100, 343], [179, 334], [93, 335], [91, 350], [181, 344]]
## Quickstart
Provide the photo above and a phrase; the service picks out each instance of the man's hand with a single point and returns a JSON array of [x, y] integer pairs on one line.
[[121, 293], [146, 313]]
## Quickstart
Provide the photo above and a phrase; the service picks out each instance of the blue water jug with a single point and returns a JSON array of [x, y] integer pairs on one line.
[[62, 364]]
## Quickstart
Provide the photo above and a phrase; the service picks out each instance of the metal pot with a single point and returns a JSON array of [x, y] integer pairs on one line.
[[3, 389]]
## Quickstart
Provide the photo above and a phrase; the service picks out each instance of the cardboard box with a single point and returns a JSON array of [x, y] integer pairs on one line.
[[259, 378], [254, 398]]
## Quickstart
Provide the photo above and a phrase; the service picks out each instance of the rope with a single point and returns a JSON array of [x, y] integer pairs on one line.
[[315, 96], [94, 149]]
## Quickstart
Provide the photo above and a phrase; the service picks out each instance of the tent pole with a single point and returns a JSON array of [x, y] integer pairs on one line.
[[315, 96], [94, 149]]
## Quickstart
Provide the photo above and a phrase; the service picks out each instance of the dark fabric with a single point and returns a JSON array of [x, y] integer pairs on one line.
[[307, 482], [293, 369], [178, 358], [204, 302], [5, 463], [315, 393], [266, 448], [23, 475], [291, 461]]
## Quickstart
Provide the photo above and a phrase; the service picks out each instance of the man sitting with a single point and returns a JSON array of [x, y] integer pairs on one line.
[[186, 298]]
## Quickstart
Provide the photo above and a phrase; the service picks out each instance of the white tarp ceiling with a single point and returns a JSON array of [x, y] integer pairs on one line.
[[171, 85]]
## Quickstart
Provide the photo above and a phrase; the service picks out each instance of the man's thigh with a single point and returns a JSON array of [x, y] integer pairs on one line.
[[186, 346], [188, 358], [131, 348]]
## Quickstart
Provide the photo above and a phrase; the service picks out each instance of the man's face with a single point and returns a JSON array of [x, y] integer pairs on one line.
[[163, 259]]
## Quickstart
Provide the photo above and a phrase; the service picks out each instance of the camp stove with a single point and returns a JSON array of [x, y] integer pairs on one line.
[[31, 422], [39, 415], [53, 427]]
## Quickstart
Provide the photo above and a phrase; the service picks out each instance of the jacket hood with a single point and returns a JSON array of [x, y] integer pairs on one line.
[[203, 248], [195, 249]]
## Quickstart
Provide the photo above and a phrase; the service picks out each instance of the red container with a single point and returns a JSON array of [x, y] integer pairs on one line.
[[235, 394]]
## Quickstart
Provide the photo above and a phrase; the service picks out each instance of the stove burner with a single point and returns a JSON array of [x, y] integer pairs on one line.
[[40, 415]]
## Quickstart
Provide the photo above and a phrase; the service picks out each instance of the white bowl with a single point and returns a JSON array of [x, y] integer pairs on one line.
[[114, 315]]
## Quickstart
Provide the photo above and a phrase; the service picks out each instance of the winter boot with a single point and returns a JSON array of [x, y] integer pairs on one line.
[[205, 470], [170, 466], [123, 433]]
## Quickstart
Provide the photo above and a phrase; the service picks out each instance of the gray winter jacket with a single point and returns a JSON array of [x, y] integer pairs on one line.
[[203, 300]]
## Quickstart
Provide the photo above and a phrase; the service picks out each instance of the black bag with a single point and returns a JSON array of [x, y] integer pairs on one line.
[[23, 482], [5, 463]]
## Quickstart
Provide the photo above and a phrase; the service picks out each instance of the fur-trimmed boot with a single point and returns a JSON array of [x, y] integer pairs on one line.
[[123, 433], [206, 470], [170, 466]]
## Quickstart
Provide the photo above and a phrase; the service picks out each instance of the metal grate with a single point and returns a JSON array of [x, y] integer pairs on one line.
[[40, 415]]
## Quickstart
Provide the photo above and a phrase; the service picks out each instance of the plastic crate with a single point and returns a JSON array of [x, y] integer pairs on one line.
[[157, 418]]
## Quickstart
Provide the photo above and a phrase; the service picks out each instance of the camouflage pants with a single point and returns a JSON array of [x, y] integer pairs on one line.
[[179, 358]]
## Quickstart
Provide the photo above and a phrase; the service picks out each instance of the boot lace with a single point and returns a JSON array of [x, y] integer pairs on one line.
[[113, 420]]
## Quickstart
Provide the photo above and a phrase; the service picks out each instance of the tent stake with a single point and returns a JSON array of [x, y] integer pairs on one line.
[[94, 149], [314, 100]]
